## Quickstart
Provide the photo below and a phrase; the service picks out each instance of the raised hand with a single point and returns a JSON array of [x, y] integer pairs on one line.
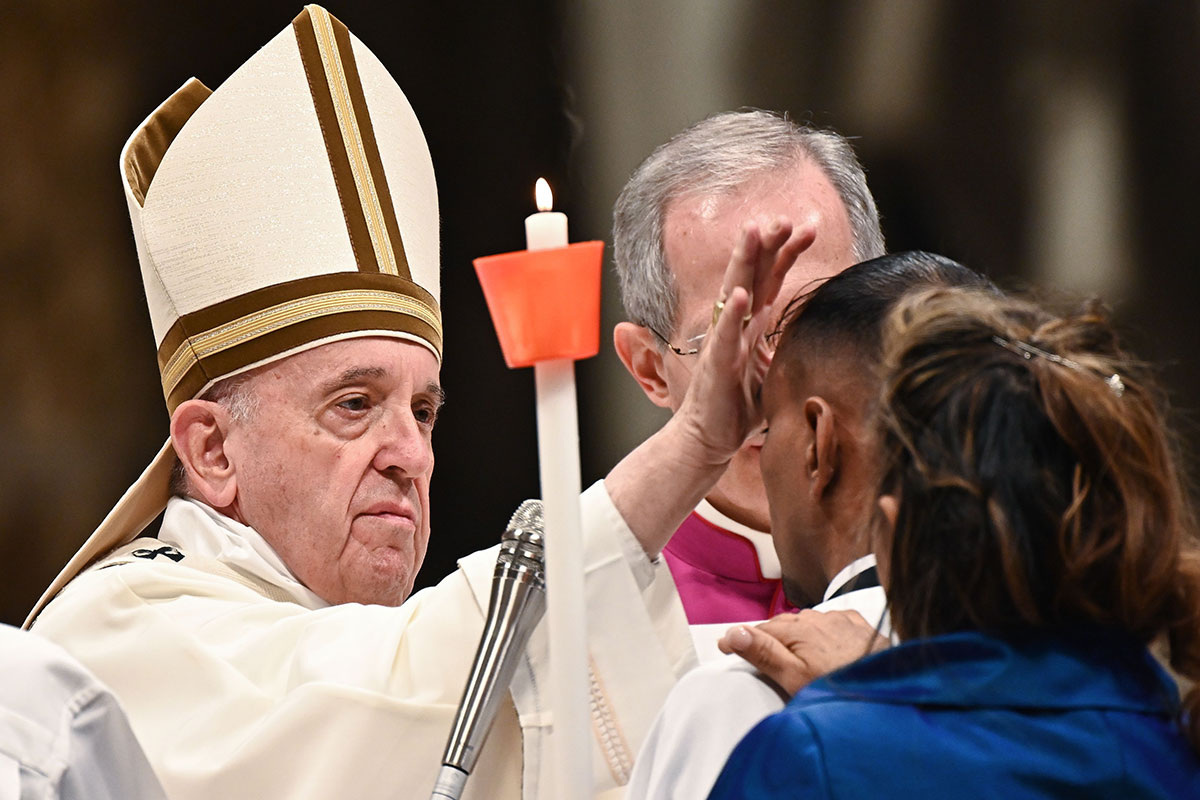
[[721, 406], [658, 484]]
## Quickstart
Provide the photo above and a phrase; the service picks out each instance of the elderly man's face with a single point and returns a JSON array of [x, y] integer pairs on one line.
[[699, 233], [333, 467]]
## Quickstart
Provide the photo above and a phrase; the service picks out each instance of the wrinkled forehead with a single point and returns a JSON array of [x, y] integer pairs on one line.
[[363, 358], [700, 231]]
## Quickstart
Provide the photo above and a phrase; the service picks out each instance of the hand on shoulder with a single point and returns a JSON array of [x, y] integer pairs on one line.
[[795, 649]]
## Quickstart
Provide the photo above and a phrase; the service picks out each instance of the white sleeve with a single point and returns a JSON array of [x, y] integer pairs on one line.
[[705, 716], [62, 733], [638, 643], [104, 760]]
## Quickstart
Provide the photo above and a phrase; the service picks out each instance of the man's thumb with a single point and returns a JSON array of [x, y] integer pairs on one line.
[[767, 654]]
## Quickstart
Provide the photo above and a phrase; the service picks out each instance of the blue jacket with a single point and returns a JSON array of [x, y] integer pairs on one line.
[[969, 716]]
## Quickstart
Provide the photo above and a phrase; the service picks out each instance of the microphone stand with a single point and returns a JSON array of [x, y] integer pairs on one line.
[[516, 604]]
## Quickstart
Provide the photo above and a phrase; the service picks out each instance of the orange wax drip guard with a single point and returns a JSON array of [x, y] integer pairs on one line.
[[545, 304]]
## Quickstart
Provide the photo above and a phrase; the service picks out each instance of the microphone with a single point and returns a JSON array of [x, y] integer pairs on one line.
[[517, 603]]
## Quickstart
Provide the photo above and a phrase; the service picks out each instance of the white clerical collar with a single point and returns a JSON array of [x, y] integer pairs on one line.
[[196, 529], [848, 573], [764, 545]]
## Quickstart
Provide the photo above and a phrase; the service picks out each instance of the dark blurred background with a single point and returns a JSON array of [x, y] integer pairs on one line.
[[1046, 142]]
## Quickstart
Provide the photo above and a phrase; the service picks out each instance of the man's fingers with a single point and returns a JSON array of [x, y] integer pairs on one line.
[[769, 280], [728, 328], [788, 627], [772, 236], [743, 261], [814, 626], [768, 655], [775, 239], [762, 255]]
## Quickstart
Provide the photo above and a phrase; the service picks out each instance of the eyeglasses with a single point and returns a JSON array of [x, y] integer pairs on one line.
[[692, 345], [770, 337], [695, 342]]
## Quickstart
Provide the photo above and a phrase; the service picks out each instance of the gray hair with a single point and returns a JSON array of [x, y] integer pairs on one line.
[[237, 396], [717, 156]]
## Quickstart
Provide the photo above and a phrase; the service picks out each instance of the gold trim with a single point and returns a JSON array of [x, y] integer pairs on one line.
[[145, 149], [617, 754], [335, 75], [270, 319]]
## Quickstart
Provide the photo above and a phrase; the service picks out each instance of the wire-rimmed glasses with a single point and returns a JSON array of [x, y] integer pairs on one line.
[[693, 344]]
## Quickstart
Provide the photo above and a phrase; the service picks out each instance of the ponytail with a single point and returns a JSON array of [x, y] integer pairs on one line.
[[1031, 442]]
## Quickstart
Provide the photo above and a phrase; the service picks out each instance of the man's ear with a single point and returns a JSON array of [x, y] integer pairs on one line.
[[639, 352], [821, 457], [199, 430]]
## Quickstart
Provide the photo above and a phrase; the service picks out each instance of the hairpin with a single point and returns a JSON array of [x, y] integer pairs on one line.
[[1028, 351]]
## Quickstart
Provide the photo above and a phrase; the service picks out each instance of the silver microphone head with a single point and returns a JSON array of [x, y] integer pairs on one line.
[[523, 545], [529, 516]]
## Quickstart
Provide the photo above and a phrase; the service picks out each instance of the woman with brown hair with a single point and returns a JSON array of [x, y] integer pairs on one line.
[[1035, 540]]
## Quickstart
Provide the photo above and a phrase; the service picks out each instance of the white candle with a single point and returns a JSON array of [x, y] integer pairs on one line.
[[570, 685], [545, 229], [558, 469]]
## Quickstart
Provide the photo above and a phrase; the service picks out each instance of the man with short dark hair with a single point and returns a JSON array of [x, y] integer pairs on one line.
[[820, 470]]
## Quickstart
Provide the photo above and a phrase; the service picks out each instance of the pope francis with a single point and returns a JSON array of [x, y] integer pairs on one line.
[[263, 641]]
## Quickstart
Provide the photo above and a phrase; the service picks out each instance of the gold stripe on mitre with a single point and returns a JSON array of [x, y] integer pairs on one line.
[[328, 57], [253, 328], [146, 148]]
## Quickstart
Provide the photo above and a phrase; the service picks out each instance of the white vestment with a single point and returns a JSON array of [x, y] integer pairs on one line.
[[63, 735], [715, 705], [241, 683]]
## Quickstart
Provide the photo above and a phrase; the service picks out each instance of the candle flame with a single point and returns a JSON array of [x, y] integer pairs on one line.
[[543, 195]]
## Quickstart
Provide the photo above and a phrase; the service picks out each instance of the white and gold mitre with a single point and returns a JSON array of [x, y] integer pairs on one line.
[[295, 205]]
